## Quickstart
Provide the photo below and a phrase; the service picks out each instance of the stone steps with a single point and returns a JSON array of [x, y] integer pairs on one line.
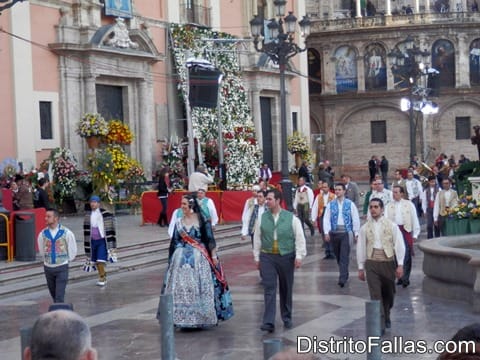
[[21, 278]]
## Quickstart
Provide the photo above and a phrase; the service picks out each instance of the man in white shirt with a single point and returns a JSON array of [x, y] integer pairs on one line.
[[57, 247], [302, 204], [403, 213], [340, 224], [446, 198], [380, 254], [318, 210], [264, 173], [414, 189], [278, 249], [428, 203], [381, 193], [252, 211], [207, 206], [200, 179]]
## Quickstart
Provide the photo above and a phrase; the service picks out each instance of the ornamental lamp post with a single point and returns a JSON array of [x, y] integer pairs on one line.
[[408, 65], [279, 46]]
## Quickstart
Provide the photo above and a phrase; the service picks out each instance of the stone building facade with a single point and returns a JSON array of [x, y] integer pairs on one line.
[[70, 57], [355, 102]]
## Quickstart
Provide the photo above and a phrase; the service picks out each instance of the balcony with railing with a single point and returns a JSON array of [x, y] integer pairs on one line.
[[194, 13], [341, 20]]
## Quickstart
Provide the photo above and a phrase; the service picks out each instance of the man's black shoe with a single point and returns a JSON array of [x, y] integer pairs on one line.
[[312, 231], [399, 282], [267, 327], [288, 324], [341, 284], [329, 257], [388, 324], [405, 283]]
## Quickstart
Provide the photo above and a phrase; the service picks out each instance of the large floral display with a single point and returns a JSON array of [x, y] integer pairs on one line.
[[242, 154]]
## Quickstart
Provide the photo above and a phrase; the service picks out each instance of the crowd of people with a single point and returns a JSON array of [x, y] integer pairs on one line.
[[384, 240]]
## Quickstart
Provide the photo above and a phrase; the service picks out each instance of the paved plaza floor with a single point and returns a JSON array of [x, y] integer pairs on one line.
[[123, 323]]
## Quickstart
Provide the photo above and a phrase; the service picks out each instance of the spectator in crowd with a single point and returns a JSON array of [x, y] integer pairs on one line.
[[163, 191], [384, 171], [40, 198], [372, 167], [23, 197], [60, 334], [324, 175], [264, 173], [468, 344], [200, 179], [463, 160], [351, 189]]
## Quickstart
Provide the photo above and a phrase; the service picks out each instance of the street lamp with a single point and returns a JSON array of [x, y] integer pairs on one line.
[[280, 47], [408, 65]]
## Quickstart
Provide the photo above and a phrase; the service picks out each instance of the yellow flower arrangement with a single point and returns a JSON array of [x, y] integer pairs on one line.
[[119, 133]]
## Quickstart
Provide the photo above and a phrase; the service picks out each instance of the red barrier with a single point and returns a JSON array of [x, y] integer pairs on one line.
[[229, 204], [232, 205], [151, 207], [7, 199]]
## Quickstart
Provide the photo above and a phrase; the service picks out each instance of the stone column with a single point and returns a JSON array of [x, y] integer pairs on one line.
[[388, 8], [358, 9], [361, 73], [331, 9], [427, 6], [90, 94], [462, 68], [417, 6], [146, 124]]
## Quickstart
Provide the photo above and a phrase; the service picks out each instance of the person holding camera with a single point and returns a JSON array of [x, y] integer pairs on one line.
[[200, 179]]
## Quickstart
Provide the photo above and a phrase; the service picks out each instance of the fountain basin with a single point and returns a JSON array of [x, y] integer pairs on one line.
[[452, 268]]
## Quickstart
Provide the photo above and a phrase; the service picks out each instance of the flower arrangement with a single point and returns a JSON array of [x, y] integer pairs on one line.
[[297, 144], [120, 160], [135, 172], [175, 156], [466, 208], [92, 125], [119, 133], [241, 150], [65, 170]]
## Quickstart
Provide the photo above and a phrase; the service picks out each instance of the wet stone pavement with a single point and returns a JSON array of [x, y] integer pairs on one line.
[[123, 323]]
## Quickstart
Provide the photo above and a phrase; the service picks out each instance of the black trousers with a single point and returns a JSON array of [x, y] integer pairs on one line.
[[279, 268], [432, 230], [57, 278]]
